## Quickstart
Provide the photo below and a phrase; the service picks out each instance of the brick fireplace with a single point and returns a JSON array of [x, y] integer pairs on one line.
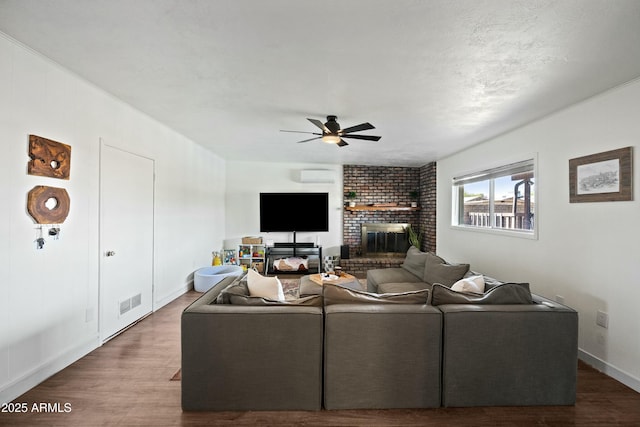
[[383, 197]]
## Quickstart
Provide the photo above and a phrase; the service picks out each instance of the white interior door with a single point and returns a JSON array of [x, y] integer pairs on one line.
[[126, 239]]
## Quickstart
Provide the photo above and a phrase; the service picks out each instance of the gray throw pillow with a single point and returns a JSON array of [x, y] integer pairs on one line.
[[414, 261], [336, 294], [235, 288], [506, 293], [489, 282], [436, 270]]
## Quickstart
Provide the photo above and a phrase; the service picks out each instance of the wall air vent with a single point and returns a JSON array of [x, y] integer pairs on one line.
[[125, 306], [130, 303], [136, 300]]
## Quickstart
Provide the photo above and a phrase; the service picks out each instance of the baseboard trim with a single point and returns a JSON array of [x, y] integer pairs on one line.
[[610, 370], [157, 305], [26, 382]]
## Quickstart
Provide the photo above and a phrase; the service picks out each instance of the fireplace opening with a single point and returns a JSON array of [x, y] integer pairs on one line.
[[384, 239]]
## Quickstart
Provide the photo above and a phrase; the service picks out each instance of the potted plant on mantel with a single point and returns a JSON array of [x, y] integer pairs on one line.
[[351, 195], [414, 195]]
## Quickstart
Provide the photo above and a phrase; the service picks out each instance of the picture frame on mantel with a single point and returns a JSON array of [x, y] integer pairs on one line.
[[602, 177]]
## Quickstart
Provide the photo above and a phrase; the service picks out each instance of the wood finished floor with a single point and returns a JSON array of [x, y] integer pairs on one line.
[[126, 382]]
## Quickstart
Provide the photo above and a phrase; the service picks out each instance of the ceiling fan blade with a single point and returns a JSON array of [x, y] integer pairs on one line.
[[365, 137], [342, 143], [357, 128], [300, 131], [310, 139], [320, 125]]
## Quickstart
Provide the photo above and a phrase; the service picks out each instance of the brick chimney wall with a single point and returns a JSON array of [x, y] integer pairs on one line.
[[428, 206], [383, 184]]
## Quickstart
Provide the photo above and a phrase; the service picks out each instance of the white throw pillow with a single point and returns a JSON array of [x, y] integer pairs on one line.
[[264, 287], [470, 284]]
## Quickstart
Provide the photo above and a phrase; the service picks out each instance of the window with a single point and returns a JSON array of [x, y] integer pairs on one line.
[[500, 199]]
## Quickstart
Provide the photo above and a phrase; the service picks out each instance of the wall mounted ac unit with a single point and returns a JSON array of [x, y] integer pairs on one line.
[[317, 176]]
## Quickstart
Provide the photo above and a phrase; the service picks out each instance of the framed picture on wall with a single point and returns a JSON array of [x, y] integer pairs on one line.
[[602, 177]]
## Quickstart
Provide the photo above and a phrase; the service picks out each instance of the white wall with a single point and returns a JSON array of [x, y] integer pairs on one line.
[[49, 297], [245, 182], [586, 252]]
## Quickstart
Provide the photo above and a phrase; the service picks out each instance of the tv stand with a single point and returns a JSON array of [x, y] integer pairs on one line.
[[292, 249], [293, 245]]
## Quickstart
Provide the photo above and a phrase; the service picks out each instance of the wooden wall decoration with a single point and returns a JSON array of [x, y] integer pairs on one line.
[[48, 205], [49, 158]]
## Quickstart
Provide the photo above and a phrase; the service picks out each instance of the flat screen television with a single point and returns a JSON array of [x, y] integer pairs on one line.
[[286, 212]]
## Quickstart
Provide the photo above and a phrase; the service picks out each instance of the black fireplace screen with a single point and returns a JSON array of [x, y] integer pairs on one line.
[[384, 239]]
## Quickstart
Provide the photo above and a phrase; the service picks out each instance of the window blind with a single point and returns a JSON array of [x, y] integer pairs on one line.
[[510, 169]]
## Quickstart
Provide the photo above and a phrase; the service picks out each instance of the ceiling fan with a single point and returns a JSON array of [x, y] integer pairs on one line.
[[333, 134]]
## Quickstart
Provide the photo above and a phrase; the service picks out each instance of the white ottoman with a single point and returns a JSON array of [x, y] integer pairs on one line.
[[205, 278]]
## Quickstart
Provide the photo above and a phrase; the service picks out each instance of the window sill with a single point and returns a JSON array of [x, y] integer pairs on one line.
[[531, 235]]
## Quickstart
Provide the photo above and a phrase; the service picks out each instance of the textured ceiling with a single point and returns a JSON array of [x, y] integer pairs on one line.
[[433, 76]]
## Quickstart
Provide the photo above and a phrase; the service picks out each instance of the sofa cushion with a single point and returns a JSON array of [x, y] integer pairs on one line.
[[312, 300], [336, 294], [264, 287], [469, 284], [414, 261], [386, 288], [506, 293], [437, 270], [378, 276]]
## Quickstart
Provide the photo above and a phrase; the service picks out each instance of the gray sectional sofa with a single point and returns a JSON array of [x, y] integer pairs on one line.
[[421, 346]]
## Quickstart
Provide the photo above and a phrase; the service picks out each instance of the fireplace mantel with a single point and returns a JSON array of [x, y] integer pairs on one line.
[[380, 208]]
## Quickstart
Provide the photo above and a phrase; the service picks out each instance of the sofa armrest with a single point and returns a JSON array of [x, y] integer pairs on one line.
[[251, 357], [501, 355]]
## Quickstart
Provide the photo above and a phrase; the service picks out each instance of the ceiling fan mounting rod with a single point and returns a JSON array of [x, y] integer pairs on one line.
[[332, 124]]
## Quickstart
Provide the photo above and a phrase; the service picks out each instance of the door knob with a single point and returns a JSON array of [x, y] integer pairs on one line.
[[110, 253]]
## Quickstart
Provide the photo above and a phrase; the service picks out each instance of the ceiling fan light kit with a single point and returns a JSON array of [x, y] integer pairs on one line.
[[333, 134], [331, 139]]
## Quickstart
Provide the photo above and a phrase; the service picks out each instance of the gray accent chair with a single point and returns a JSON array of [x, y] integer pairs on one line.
[[241, 358], [382, 356]]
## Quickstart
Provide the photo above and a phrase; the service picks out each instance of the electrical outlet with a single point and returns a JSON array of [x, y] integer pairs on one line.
[[602, 319], [559, 299], [88, 315]]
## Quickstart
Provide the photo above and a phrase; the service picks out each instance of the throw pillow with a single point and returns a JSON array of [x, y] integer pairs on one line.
[[469, 284], [235, 288], [489, 282], [336, 294], [265, 287], [506, 293], [414, 261], [436, 270]]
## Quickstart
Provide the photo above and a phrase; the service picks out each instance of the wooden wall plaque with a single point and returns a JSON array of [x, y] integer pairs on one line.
[[49, 158], [602, 177], [48, 205]]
